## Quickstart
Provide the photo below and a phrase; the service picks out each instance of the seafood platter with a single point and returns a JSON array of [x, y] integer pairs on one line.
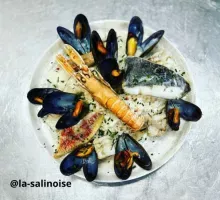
[[111, 101]]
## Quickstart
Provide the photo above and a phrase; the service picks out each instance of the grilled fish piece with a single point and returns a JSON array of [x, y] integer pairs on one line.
[[146, 78]]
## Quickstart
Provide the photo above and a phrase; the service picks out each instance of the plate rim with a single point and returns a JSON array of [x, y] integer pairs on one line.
[[182, 138]]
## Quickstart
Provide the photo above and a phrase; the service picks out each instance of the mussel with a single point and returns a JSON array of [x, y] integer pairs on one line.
[[123, 160], [128, 151], [69, 38], [177, 108], [71, 164], [143, 159], [37, 95], [135, 35], [73, 116], [151, 42], [112, 44], [134, 44], [106, 58], [110, 71], [55, 101], [80, 39], [82, 31], [84, 156], [58, 103], [99, 51], [90, 166]]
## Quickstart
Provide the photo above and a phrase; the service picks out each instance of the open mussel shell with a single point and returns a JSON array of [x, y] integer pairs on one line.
[[188, 111], [69, 38], [37, 95], [71, 164], [143, 159], [134, 44], [151, 42], [82, 31], [122, 167], [58, 103], [84, 156], [110, 71], [135, 29], [81, 27], [68, 119], [90, 166], [97, 46], [135, 36], [112, 45], [127, 151]]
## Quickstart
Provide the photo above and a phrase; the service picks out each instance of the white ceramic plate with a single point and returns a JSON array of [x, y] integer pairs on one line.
[[160, 149]]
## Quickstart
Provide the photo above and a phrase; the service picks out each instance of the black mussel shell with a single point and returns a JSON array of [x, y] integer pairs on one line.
[[120, 145], [98, 50], [82, 31], [58, 103], [188, 111], [108, 68], [121, 164], [122, 170], [68, 120], [173, 118], [112, 45], [135, 29], [143, 159], [37, 95], [71, 164], [84, 26], [151, 42], [90, 166], [84, 156], [69, 38], [135, 34]]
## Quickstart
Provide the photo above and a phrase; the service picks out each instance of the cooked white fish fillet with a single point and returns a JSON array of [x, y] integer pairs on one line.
[[104, 146], [146, 78], [157, 124]]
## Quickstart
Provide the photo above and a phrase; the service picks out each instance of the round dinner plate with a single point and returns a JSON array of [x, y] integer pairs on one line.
[[160, 149]]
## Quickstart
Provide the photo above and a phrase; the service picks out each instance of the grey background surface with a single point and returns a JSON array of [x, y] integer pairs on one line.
[[27, 28]]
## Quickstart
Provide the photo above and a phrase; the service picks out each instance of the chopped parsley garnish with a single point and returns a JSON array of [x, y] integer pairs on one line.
[[135, 81], [112, 134], [101, 132]]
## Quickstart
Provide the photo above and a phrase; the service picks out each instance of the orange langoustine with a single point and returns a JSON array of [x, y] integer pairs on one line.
[[99, 88]]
